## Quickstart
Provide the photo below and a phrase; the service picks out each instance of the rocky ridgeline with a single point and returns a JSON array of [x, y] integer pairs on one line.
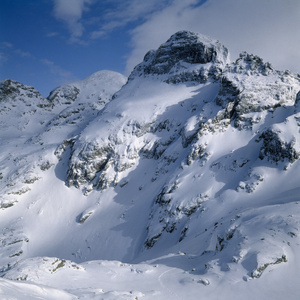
[[248, 100], [11, 90], [248, 91], [208, 127], [250, 86], [186, 56], [253, 98]]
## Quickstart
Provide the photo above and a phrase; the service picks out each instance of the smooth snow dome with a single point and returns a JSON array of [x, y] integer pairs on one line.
[[178, 183]]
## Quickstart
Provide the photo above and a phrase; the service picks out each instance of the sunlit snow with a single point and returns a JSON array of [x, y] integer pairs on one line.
[[179, 184]]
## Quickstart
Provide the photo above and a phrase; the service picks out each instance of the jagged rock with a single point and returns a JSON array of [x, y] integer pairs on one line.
[[250, 64], [15, 95], [177, 56], [91, 161], [64, 94], [245, 89], [275, 149], [10, 89], [197, 151]]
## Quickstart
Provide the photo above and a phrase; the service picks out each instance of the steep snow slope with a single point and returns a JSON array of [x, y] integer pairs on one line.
[[189, 176], [32, 128]]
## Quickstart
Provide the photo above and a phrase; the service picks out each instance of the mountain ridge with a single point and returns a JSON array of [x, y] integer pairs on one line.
[[191, 164]]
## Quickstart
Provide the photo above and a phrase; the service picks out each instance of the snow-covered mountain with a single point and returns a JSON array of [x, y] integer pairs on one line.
[[181, 182]]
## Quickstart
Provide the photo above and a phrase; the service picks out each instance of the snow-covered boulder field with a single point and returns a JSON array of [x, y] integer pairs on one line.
[[180, 182]]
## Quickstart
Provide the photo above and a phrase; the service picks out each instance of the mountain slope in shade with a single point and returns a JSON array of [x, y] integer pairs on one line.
[[183, 182]]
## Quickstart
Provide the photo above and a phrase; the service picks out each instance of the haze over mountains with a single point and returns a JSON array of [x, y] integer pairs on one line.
[[181, 182]]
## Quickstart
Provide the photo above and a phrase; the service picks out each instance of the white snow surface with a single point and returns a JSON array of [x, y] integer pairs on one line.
[[151, 189]]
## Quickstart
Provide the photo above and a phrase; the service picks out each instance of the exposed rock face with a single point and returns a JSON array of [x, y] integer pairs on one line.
[[65, 94], [92, 161], [10, 89], [249, 85], [276, 150], [247, 90], [184, 57], [184, 47]]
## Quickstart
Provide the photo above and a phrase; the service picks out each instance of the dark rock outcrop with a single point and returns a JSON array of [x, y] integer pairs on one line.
[[182, 51]]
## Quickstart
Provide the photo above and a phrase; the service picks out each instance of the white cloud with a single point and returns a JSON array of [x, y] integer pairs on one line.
[[263, 27], [122, 12], [129, 11], [70, 12], [268, 28]]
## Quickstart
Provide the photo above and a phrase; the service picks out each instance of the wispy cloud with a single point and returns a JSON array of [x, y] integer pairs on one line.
[[52, 34], [123, 12], [23, 53], [129, 11], [70, 12], [6, 45], [263, 27], [8, 51], [63, 76]]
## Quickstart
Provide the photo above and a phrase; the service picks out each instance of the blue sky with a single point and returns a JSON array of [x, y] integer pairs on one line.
[[45, 43], [37, 48]]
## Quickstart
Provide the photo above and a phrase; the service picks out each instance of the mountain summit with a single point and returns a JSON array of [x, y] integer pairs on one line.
[[185, 52], [182, 180]]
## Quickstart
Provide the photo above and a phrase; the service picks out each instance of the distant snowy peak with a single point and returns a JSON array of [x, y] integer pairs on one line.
[[20, 102], [104, 77], [183, 57], [14, 90], [98, 86]]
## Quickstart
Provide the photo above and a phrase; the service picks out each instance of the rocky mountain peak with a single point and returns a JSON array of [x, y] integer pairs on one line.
[[251, 64], [185, 54], [10, 89]]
